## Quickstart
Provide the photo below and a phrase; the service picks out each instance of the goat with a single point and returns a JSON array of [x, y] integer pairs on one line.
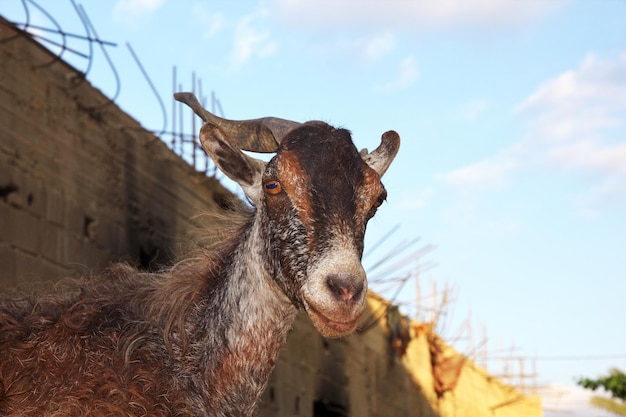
[[201, 338]]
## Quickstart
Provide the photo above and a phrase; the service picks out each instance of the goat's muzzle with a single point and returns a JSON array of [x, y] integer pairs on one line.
[[335, 295]]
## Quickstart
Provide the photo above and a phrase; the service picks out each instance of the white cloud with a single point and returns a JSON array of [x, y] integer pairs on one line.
[[132, 12], [581, 103], [250, 41], [578, 122], [350, 49], [406, 76], [213, 21], [489, 173], [376, 47], [592, 155], [575, 123], [411, 15], [414, 200], [594, 80]]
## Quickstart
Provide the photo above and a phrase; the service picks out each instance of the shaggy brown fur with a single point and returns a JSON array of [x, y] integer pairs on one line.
[[90, 348], [201, 338], [116, 344]]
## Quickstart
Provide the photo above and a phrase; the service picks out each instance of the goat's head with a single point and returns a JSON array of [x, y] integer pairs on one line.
[[318, 193]]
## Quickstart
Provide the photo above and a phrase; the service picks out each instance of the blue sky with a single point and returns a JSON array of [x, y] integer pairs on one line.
[[512, 116]]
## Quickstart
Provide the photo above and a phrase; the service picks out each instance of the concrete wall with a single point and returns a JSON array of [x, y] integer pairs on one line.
[[361, 375], [82, 185]]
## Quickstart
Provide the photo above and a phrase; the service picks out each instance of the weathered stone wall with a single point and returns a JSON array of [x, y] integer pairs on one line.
[[361, 375], [82, 185]]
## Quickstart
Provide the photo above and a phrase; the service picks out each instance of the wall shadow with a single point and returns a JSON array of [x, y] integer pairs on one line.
[[357, 376]]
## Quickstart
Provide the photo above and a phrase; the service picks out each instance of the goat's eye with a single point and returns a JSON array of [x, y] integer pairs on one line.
[[273, 187]]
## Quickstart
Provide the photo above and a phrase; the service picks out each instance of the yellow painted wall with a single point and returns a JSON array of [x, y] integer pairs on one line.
[[361, 376]]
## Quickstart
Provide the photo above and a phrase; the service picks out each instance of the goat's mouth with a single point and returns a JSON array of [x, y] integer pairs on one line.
[[327, 326]]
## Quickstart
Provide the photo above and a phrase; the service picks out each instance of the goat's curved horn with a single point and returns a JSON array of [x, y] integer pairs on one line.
[[380, 158], [255, 135]]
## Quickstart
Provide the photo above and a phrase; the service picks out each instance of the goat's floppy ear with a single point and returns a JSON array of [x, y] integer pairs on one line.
[[380, 158], [239, 167]]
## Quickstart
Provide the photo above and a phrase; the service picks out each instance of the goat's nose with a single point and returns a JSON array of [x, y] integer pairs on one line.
[[345, 286]]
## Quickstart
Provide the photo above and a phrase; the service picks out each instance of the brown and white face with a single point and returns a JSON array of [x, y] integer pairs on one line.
[[317, 194]]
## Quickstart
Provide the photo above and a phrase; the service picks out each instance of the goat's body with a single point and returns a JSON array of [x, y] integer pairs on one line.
[[97, 346], [86, 352], [202, 338]]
